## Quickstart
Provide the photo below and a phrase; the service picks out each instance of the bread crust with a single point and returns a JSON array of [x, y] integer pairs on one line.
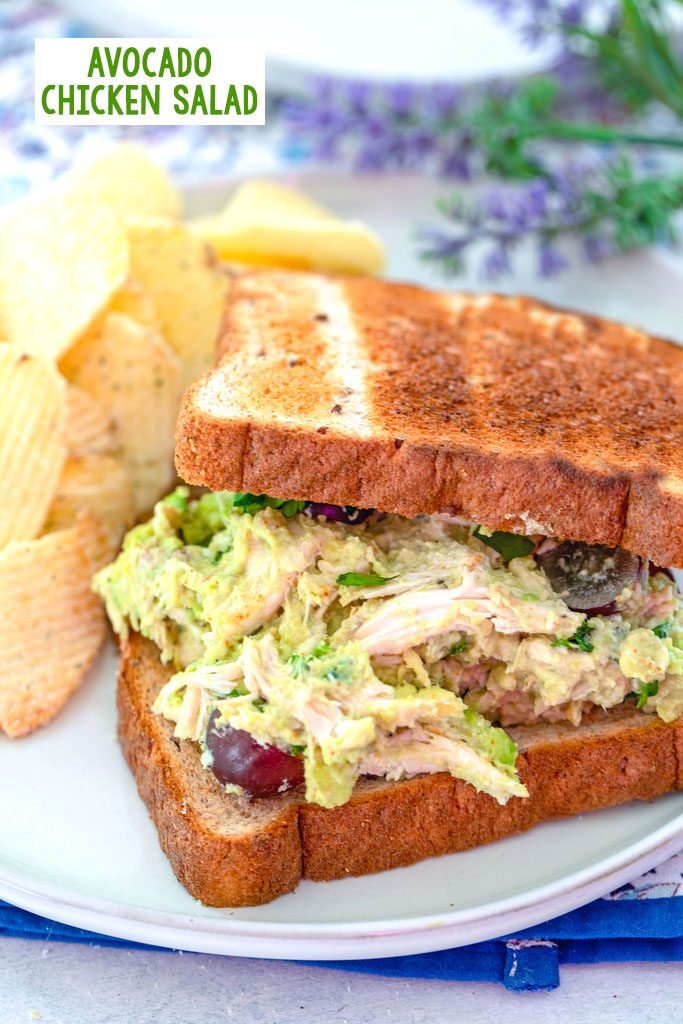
[[230, 852], [503, 410]]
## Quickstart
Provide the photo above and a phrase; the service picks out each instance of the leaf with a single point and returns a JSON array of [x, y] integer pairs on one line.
[[458, 648], [363, 579], [648, 690], [662, 630], [252, 503], [580, 639], [508, 545]]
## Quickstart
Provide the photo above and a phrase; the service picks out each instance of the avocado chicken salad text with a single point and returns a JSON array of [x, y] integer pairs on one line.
[[315, 644]]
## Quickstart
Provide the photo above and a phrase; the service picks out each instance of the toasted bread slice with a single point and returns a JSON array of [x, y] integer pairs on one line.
[[229, 851], [361, 392]]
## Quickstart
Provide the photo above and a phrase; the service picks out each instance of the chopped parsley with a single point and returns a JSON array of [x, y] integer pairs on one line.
[[296, 750], [581, 638], [648, 690], [459, 647], [363, 579], [662, 630], [252, 503], [300, 662], [508, 545]]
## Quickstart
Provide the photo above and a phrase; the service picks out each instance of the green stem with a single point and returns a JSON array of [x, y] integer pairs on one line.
[[597, 133]]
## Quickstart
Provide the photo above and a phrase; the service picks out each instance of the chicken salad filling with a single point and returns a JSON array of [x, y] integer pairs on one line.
[[315, 645]]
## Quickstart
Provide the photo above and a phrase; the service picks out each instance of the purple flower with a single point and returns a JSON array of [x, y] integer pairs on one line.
[[496, 263], [550, 261], [370, 126], [607, 207], [596, 248]]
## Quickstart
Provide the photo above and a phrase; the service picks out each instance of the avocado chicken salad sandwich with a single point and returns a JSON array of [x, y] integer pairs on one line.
[[423, 601]]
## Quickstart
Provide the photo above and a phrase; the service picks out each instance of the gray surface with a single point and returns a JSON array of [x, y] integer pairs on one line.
[[68, 984]]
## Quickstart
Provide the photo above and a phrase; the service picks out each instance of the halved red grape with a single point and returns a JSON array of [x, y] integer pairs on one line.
[[261, 770], [589, 577], [338, 513], [654, 569]]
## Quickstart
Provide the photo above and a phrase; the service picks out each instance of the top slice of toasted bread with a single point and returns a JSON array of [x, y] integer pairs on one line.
[[361, 392]]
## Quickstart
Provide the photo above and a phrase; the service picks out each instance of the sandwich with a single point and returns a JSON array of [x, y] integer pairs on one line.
[[414, 594]]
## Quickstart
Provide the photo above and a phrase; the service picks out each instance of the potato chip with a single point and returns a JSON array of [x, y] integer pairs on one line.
[[136, 376], [187, 286], [51, 622], [88, 429], [135, 302], [61, 260], [128, 181], [267, 224], [32, 450], [271, 203], [94, 483]]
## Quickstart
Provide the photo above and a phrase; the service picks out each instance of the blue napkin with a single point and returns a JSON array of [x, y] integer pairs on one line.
[[632, 927]]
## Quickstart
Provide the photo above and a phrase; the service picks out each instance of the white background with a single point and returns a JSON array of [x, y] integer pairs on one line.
[[68, 984]]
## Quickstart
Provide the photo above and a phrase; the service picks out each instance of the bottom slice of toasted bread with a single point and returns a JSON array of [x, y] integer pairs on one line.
[[229, 851]]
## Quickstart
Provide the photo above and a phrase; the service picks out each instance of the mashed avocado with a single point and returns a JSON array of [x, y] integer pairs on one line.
[[383, 648]]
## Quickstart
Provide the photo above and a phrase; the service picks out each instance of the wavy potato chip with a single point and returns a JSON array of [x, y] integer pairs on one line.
[[269, 225], [136, 377], [88, 429], [51, 622], [135, 302], [128, 181], [187, 285], [32, 449], [61, 260], [94, 483]]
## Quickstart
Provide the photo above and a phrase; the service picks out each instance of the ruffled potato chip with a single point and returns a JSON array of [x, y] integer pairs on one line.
[[88, 429], [187, 285], [32, 449], [135, 302], [267, 224], [136, 377], [94, 483], [128, 181], [61, 260], [51, 622]]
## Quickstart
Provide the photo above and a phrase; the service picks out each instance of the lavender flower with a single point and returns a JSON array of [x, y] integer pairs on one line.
[[606, 206], [380, 127], [540, 22]]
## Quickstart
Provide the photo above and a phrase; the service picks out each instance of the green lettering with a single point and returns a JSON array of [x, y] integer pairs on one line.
[[181, 106], [250, 95], [83, 110], [184, 62], [131, 62], [202, 62], [95, 63], [43, 99], [132, 99], [96, 89], [166, 63], [232, 101], [113, 105], [112, 66], [146, 54], [198, 101], [66, 96], [151, 98]]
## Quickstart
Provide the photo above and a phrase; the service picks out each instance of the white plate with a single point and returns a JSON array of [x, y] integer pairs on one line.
[[76, 842], [380, 40]]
